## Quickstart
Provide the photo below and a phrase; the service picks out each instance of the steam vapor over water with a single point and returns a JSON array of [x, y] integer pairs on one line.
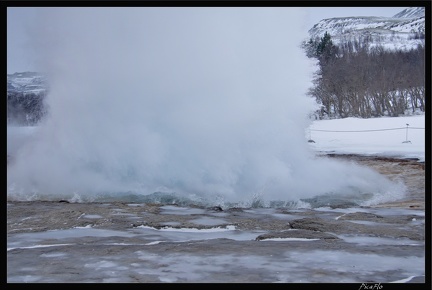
[[207, 104]]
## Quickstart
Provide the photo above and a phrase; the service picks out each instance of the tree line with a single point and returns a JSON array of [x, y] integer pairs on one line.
[[358, 79], [24, 108]]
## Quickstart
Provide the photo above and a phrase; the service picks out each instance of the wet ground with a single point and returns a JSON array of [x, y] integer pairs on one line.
[[121, 242], [410, 171]]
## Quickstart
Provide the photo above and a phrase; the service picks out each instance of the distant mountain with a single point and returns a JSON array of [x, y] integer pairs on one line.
[[412, 12], [26, 82], [404, 30], [25, 94]]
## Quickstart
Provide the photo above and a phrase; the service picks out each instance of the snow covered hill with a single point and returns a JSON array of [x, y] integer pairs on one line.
[[26, 82], [402, 31]]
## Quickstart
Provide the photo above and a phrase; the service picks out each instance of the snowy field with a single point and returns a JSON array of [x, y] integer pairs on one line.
[[384, 136]]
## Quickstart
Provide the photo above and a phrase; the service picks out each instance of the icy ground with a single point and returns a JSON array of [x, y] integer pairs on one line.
[[179, 244]]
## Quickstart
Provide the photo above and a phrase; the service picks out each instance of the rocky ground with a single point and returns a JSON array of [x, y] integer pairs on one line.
[[119, 242]]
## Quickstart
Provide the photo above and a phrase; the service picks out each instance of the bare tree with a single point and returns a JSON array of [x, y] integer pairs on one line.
[[359, 81]]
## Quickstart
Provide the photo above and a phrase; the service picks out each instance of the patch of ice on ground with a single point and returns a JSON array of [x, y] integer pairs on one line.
[[207, 221], [191, 230], [168, 209], [289, 239], [366, 240]]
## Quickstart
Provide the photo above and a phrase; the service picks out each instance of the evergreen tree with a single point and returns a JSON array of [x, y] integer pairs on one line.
[[325, 49]]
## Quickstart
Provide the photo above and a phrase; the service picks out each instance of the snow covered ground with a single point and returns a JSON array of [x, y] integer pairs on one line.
[[385, 136]]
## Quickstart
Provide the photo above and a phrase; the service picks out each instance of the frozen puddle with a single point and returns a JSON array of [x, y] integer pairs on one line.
[[165, 234], [290, 239], [284, 267], [365, 240], [29, 240], [168, 209], [206, 264], [193, 234]]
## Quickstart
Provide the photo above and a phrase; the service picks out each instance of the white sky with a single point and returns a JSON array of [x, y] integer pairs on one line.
[[19, 55]]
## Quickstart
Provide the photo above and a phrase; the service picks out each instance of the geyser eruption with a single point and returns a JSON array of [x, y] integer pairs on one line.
[[206, 103]]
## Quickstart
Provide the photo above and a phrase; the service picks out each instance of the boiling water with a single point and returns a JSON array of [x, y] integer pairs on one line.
[[180, 105]]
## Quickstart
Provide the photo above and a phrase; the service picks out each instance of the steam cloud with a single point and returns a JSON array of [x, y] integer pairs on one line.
[[198, 101]]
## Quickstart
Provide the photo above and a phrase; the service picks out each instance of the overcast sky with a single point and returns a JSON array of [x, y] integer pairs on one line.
[[20, 56]]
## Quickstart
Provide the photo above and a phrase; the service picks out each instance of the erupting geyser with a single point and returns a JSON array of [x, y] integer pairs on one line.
[[207, 103]]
